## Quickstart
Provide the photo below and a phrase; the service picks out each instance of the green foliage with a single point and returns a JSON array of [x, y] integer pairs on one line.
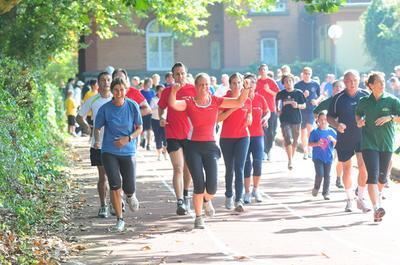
[[322, 6], [381, 32], [30, 144]]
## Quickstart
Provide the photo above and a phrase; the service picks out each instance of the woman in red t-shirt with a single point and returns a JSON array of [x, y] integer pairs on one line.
[[256, 148], [201, 152], [234, 143]]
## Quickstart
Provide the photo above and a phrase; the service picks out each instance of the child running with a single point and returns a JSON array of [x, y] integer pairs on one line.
[[323, 141]]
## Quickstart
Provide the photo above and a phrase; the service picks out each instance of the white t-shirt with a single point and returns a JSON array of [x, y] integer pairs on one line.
[[154, 109], [221, 91], [93, 104]]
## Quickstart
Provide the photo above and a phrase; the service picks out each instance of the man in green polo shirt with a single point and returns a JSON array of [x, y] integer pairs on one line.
[[376, 114]]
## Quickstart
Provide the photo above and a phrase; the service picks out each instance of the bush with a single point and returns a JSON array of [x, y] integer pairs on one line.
[[30, 144]]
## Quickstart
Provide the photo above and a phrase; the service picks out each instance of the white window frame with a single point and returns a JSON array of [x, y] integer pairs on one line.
[[159, 36], [262, 50]]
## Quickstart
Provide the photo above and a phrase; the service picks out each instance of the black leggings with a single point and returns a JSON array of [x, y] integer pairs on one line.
[[202, 157], [377, 164], [117, 167]]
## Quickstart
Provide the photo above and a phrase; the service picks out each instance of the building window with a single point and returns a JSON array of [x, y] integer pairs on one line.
[[269, 51], [159, 47]]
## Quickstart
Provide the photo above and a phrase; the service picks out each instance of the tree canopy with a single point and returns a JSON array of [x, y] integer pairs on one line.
[[381, 29], [34, 31]]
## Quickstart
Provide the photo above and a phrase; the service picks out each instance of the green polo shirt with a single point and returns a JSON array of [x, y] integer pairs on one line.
[[378, 138]]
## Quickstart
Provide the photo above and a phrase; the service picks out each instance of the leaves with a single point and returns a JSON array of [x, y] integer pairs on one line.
[[381, 32]]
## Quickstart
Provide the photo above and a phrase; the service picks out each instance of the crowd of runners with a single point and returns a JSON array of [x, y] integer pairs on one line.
[[195, 121]]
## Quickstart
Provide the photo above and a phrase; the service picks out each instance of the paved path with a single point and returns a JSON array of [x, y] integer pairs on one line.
[[289, 227]]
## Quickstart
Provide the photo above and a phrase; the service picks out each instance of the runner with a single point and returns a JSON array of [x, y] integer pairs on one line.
[[256, 148], [177, 129], [159, 132], [234, 143], [311, 91], [93, 105], [201, 151], [148, 94], [122, 124], [341, 116], [292, 100], [376, 115], [268, 88], [337, 87], [322, 140], [133, 92]]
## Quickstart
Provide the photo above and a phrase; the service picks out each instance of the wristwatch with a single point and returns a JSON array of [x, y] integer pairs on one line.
[[130, 138], [391, 117]]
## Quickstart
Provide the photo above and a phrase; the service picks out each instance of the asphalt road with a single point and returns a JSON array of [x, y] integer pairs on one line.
[[288, 227]]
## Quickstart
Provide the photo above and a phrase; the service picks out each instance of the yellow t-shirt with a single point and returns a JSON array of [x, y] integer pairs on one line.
[[88, 95], [70, 106]]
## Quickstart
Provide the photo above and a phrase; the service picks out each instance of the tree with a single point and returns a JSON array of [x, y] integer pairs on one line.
[[34, 31], [381, 31]]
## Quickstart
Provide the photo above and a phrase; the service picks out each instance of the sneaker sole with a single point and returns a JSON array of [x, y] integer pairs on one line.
[[239, 209]]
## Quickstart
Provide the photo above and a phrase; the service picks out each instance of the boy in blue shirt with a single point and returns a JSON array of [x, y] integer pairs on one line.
[[322, 140]]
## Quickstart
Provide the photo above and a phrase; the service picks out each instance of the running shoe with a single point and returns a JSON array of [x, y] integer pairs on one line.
[[378, 214], [181, 207], [326, 197], [305, 156], [148, 147], [120, 226], [339, 183], [349, 206], [314, 192], [362, 206], [199, 223], [247, 198], [290, 165], [229, 203], [186, 201], [209, 209], [103, 212], [133, 203], [257, 195], [239, 207]]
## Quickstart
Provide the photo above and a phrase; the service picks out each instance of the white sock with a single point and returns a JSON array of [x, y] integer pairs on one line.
[[349, 194], [361, 192], [379, 199]]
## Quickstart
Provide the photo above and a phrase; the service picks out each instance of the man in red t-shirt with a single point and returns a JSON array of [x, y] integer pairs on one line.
[[177, 129], [268, 88]]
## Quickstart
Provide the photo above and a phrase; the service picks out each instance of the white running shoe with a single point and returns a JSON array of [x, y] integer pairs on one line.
[[257, 195], [133, 203], [120, 226], [239, 207], [208, 209], [247, 198], [362, 205], [229, 203], [199, 223]]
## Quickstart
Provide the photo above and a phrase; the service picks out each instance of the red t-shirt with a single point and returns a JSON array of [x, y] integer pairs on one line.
[[135, 95], [235, 126], [178, 124], [270, 99], [203, 119], [259, 107]]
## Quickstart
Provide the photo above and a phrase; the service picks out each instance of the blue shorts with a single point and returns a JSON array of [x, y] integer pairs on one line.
[[307, 117], [146, 122]]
